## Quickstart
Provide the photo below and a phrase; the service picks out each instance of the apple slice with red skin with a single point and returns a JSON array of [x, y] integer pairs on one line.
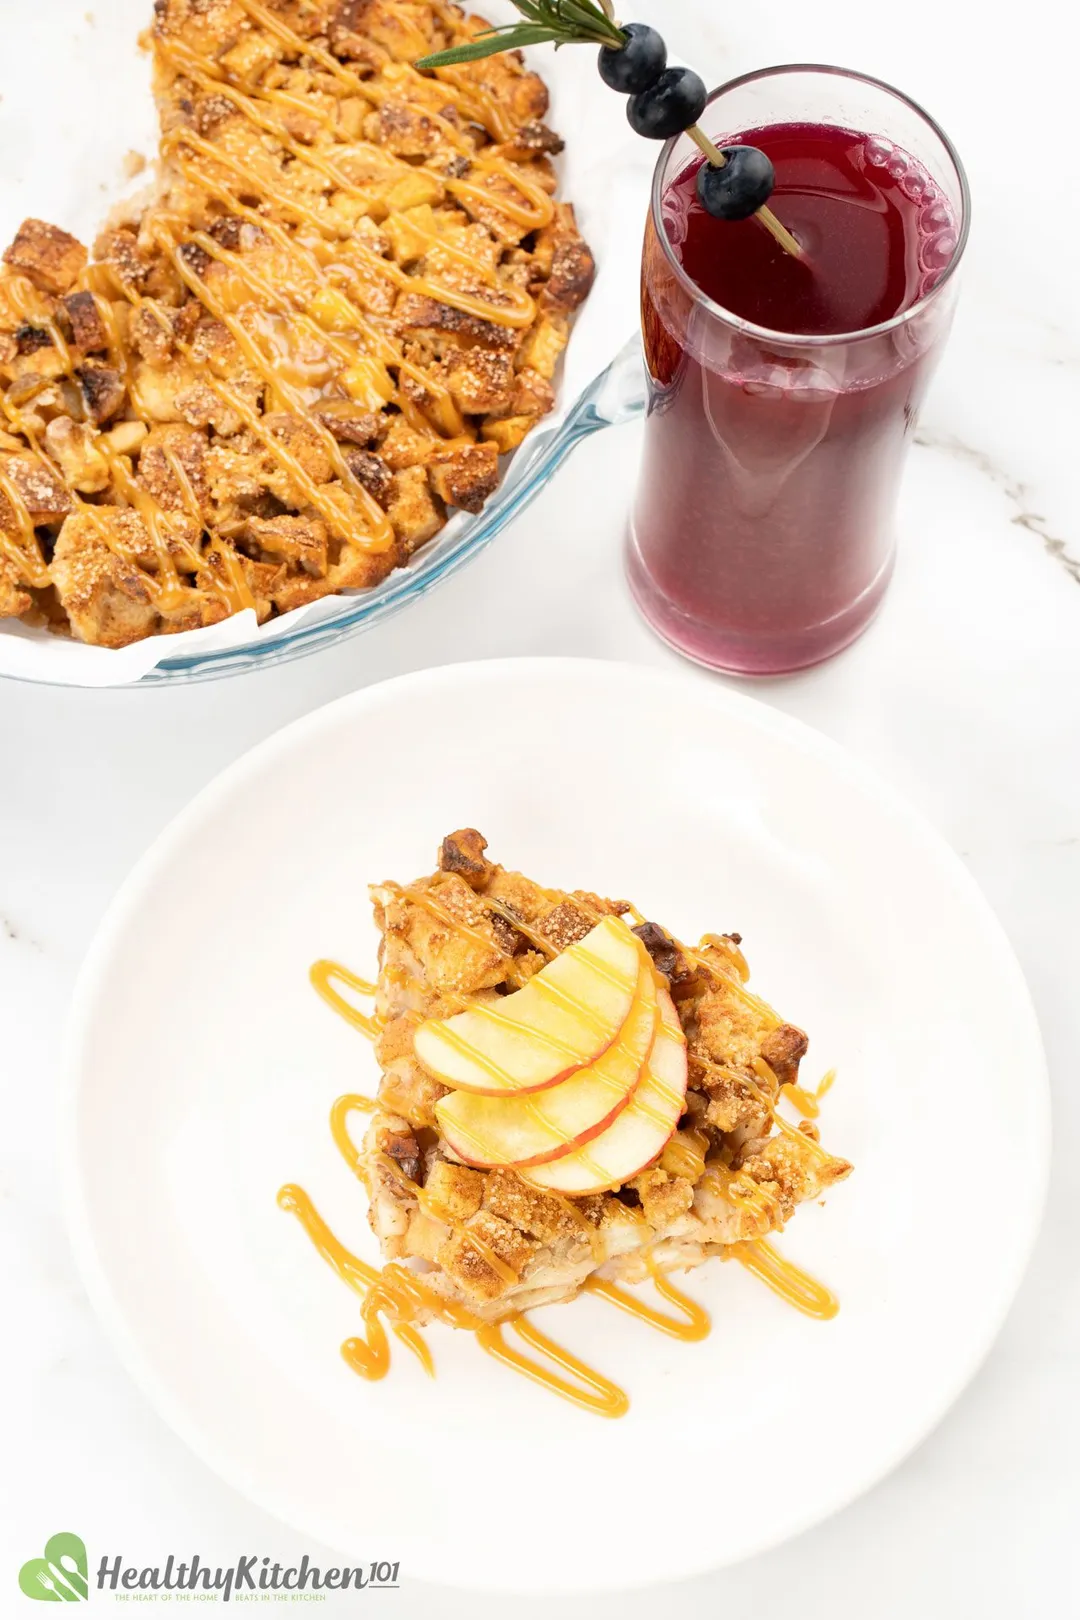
[[516, 1131], [640, 1132], [563, 1019]]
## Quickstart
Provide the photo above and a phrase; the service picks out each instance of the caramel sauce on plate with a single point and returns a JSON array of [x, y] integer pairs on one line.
[[395, 1297]]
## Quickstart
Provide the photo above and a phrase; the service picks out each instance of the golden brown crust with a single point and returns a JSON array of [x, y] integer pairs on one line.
[[343, 302], [729, 1174]]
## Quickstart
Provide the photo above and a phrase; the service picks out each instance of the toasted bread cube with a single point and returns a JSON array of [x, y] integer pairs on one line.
[[71, 445], [305, 442], [251, 56], [298, 540], [663, 1197], [463, 852], [103, 389], [453, 1191], [544, 344], [424, 1237], [105, 596], [404, 32], [427, 317], [507, 432], [783, 1050], [187, 492], [87, 327], [572, 268], [41, 492], [465, 1256], [52, 258], [412, 191], [480, 380], [407, 131], [527, 1208], [368, 383], [465, 477]]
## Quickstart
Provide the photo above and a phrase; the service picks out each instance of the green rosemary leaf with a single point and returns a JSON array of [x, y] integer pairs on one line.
[[589, 21], [490, 44]]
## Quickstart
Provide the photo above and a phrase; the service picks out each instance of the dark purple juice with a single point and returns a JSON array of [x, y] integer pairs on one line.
[[762, 528]]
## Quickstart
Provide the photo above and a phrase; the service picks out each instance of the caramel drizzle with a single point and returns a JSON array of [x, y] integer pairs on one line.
[[399, 1296], [351, 1103], [789, 1281], [322, 975], [591, 1390], [808, 1103], [695, 1321], [686, 1158]]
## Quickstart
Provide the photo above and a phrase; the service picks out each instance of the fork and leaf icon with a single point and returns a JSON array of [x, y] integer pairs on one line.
[[60, 1576]]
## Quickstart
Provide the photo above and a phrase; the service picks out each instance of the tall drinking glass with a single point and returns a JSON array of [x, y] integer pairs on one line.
[[761, 536]]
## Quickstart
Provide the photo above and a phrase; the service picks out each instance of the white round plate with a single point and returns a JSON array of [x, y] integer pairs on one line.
[[203, 1067]]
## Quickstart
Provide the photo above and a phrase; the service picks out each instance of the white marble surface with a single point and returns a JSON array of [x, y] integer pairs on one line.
[[965, 694]]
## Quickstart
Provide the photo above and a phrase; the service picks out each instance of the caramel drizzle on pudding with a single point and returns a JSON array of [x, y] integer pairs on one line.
[[786, 1279], [808, 1103], [323, 976], [396, 1296], [350, 340]]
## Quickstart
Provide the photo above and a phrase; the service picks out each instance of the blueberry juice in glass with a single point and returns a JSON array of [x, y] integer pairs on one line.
[[783, 391]]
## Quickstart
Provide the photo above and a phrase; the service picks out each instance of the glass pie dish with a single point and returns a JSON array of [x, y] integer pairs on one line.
[[120, 632]]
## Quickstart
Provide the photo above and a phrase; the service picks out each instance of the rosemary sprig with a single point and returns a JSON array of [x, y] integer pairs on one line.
[[554, 22]]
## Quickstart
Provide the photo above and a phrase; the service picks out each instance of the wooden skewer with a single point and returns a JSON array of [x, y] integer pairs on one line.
[[765, 214]]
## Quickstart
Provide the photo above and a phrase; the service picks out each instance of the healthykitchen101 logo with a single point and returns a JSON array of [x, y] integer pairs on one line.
[[61, 1575]]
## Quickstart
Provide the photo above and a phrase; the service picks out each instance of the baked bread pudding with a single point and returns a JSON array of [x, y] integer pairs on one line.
[[342, 301], [569, 1093]]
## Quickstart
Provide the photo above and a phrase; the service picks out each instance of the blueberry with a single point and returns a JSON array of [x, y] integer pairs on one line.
[[666, 108], [740, 188], [638, 64]]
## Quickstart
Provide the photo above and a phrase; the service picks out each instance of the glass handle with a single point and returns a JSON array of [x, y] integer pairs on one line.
[[618, 394]]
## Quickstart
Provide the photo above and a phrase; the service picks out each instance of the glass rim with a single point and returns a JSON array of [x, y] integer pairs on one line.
[[823, 339]]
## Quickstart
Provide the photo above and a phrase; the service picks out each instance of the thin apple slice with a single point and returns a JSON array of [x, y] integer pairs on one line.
[[640, 1131], [533, 1129], [564, 1018]]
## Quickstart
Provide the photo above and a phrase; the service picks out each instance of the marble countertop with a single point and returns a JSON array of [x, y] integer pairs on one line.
[[965, 694]]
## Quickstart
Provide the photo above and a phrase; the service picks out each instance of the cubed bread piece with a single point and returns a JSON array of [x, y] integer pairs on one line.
[[52, 258], [106, 596], [486, 1257], [416, 514], [453, 1192], [465, 477]]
